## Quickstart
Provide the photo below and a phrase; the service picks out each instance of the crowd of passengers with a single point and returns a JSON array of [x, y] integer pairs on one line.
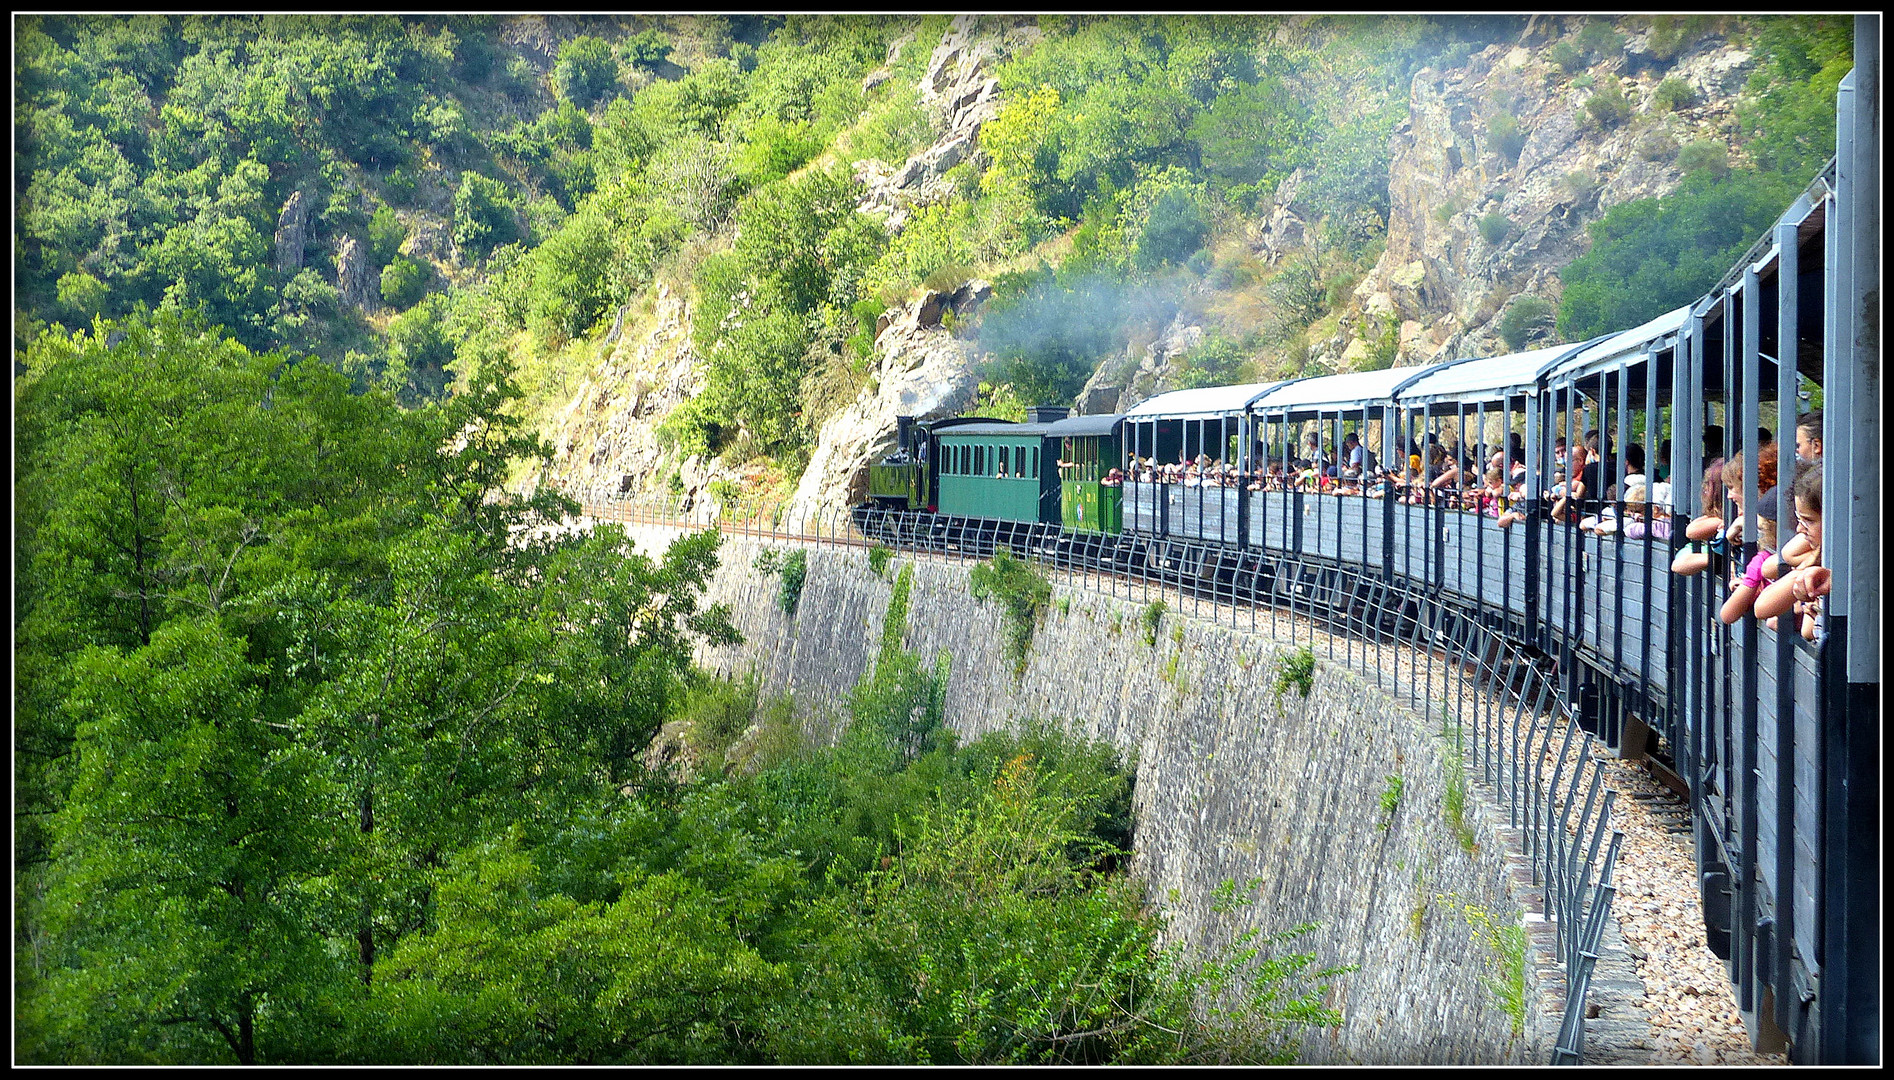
[[1780, 581]]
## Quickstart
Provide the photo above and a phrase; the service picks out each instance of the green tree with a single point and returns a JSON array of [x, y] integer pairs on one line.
[[386, 234], [403, 282], [483, 215], [646, 49], [798, 262], [584, 71], [1651, 255], [1252, 135], [1174, 230]]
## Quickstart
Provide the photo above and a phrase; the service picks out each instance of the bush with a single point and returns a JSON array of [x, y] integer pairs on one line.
[[585, 70], [1608, 107], [1149, 618], [1175, 230], [1600, 41], [1384, 347], [483, 216], [1494, 227], [1299, 293], [1706, 156], [646, 49], [1672, 94], [1527, 318], [1581, 184], [403, 282], [791, 568], [1215, 361], [385, 236], [399, 187], [1504, 138], [1023, 590], [1566, 57], [1297, 671], [1657, 146]]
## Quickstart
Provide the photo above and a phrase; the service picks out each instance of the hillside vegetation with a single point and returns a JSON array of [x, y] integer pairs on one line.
[[411, 199]]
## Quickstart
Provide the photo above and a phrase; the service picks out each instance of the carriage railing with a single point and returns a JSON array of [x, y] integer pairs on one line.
[[1515, 727]]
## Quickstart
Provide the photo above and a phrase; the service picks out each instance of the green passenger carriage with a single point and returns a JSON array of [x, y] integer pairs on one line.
[[996, 470], [1091, 500]]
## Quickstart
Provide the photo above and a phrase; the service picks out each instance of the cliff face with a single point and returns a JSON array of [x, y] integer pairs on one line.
[[1478, 217], [606, 439], [1440, 276]]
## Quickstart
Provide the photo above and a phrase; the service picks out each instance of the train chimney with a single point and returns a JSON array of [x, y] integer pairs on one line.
[[1046, 414], [904, 433]]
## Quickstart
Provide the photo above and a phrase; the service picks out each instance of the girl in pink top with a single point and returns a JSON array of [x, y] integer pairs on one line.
[[1743, 594]]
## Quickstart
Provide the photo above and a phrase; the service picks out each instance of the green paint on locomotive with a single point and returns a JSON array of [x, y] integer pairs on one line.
[[1086, 502], [904, 486], [1004, 476]]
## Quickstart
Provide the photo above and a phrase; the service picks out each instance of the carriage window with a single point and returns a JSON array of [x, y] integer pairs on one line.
[[1035, 462]]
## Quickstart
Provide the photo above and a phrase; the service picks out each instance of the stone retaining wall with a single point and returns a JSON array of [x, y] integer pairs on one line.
[[1284, 798]]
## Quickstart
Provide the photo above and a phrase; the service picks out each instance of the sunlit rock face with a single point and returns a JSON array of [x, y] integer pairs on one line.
[[1443, 280]]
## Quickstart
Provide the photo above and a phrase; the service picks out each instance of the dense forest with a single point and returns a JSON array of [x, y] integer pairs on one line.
[[321, 756], [327, 751]]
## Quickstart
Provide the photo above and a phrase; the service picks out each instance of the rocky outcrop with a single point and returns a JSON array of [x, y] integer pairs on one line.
[[1440, 277], [1451, 185], [921, 370], [606, 439], [1143, 370], [355, 277], [962, 95], [430, 238], [1285, 227], [292, 234]]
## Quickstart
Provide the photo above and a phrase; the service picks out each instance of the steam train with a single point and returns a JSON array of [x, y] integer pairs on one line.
[[1774, 738]]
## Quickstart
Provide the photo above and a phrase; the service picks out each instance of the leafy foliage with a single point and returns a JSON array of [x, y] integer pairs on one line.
[[1608, 107], [1494, 227], [1705, 156], [1296, 670], [1023, 590], [1504, 137], [403, 282], [278, 657], [1526, 318], [584, 71], [1651, 255], [483, 215], [1672, 94]]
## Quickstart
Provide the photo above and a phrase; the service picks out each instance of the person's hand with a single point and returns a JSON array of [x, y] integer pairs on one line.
[[1816, 582]]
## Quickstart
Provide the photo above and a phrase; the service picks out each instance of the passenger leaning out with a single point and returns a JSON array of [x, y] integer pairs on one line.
[[1745, 589], [1704, 533], [1804, 580]]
